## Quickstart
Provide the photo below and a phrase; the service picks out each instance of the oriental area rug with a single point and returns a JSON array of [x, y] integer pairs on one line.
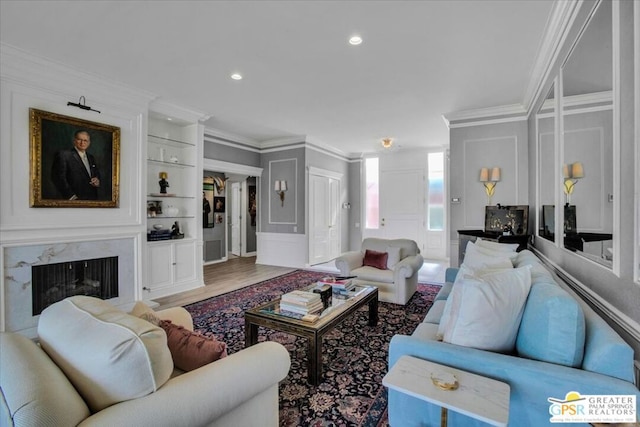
[[354, 354]]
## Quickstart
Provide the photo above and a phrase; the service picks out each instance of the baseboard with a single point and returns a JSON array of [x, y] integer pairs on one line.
[[282, 249], [216, 261]]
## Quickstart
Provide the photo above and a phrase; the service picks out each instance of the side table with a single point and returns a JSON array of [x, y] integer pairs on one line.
[[478, 397]]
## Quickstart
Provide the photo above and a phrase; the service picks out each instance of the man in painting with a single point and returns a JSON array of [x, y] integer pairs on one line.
[[74, 172]]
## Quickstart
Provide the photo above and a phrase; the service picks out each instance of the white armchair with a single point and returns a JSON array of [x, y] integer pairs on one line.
[[398, 282], [36, 391]]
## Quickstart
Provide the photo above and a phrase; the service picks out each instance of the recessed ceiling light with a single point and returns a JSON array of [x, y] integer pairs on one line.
[[355, 40], [169, 118], [236, 76]]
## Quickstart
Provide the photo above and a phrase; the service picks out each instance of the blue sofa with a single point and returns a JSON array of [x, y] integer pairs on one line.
[[562, 346]]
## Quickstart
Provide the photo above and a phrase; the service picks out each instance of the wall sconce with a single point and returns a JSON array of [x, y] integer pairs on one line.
[[571, 173], [489, 181], [280, 187]]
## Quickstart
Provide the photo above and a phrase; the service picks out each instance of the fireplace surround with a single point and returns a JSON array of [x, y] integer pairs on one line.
[[19, 261]]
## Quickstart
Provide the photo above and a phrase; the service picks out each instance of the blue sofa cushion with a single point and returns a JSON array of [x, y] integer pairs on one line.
[[552, 327], [605, 351]]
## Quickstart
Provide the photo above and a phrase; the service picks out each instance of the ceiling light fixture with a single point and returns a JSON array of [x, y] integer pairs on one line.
[[355, 40], [236, 76], [387, 142]]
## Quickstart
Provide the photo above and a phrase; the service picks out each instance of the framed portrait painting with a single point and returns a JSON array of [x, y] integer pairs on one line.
[[74, 163], [218, 204]]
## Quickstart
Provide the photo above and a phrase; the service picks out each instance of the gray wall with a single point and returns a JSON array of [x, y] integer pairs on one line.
[[501, 145], [289, 218], [213, 149]]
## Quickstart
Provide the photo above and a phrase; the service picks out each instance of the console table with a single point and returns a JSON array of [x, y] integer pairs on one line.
[[466, 236]]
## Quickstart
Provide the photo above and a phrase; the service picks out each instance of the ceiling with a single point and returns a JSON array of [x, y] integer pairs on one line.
[[301, 77]]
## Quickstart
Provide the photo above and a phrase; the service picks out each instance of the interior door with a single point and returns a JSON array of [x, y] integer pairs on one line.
[[235, 218], [334, 219], [402, 201], [324, 219]]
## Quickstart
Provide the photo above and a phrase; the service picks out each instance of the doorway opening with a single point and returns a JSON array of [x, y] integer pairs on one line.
[[235, 212]]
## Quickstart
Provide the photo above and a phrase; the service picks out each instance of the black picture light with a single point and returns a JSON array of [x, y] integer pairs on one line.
[[82, 103]]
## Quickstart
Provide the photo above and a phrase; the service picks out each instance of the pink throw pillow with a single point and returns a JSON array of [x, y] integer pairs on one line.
[[191, 350], [375, 259]]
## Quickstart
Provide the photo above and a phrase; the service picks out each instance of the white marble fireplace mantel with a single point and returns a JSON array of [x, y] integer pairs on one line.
[[18, 260]]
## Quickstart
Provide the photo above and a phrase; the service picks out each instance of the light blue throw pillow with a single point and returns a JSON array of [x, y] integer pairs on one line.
[[552, 327]]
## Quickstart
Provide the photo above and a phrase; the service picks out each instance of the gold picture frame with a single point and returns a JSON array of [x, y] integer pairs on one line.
[[60, 177]]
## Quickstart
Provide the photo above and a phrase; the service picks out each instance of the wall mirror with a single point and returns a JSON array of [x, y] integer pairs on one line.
[[545, 121], [586, 168]]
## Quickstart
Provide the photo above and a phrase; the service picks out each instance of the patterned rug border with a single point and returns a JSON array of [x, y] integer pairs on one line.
[[280, 276]]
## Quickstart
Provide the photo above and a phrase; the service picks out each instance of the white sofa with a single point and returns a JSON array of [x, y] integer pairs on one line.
[[396, 284], [114, 369]]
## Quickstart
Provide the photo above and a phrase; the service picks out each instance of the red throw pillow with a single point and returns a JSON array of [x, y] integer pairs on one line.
[[375, 259], [191, 350]]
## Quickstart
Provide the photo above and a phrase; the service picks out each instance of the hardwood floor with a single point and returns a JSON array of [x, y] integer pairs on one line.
[[224, 277]]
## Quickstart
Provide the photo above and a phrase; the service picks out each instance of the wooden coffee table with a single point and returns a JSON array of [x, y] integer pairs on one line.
[[264, 315]]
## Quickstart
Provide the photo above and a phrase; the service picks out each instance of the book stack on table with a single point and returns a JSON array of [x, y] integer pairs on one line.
[[339, 285], [301, 302]]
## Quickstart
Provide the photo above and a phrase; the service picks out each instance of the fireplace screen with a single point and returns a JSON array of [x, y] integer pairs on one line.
[[55, 282]]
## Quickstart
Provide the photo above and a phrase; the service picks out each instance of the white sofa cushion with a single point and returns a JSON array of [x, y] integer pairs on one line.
[[501, 247], [477, 257], [33, 390], [486, 309], [394, 256], [109, 356], [373, 274]]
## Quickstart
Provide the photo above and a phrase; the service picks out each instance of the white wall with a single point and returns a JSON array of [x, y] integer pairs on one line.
[[31, 82]]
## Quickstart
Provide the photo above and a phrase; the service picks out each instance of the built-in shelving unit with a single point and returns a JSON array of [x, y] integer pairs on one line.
[[173, 151]]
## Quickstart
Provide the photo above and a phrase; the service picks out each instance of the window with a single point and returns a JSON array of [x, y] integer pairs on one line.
[[372, 192], [435, 202]]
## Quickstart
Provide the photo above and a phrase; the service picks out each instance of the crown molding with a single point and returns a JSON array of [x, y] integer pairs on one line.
[[562, 15], [508, 112], [558, 24], [228, 167], [279, 142], [232, 137], [605, 97], [321, 146], [169, 109], [330, 153], [229, 143]]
